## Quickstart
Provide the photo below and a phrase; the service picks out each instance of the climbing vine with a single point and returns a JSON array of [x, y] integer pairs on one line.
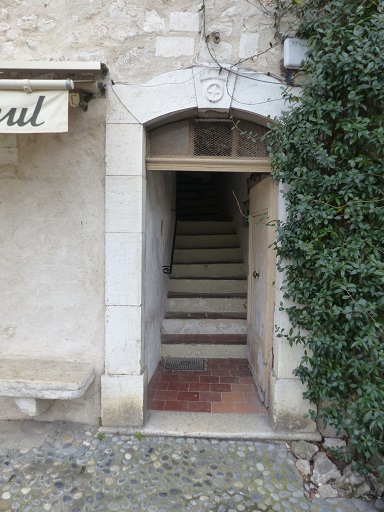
[[328, 151]]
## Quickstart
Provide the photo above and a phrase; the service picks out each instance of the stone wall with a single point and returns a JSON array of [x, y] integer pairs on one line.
[[138, 40], [52, 252]]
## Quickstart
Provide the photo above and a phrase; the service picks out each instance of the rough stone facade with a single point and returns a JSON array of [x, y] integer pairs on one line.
[[138, 40], [73, 209]]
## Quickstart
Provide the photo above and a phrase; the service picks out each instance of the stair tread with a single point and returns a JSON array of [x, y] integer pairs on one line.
[[206, 339], [214, 278], [207, 295], [208, 316]]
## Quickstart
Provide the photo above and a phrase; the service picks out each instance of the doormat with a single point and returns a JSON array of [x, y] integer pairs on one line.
[[184, 363]]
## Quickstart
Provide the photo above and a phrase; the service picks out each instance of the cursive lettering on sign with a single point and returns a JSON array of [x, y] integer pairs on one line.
[[10, 116]]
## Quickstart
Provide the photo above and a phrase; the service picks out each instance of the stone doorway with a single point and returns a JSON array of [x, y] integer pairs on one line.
[[206, 306], [130, 357]]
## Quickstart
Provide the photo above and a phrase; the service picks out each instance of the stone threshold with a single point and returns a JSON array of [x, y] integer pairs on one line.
[[215, 426]]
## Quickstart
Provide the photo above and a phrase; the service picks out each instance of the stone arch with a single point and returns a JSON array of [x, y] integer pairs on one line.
[[132, 108]]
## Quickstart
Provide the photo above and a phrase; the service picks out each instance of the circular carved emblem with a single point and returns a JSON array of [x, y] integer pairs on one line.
[[214, 91]]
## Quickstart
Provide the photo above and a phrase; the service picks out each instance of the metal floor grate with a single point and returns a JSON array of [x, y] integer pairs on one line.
[[184, 363]]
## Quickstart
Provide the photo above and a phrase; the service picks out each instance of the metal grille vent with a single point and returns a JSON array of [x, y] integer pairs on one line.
[[208, 138], [184, 363]]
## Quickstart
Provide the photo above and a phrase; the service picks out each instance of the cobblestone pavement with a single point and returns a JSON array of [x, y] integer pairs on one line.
[[73, 468]]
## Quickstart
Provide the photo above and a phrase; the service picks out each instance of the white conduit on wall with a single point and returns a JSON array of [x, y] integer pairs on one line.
[[36, 85]]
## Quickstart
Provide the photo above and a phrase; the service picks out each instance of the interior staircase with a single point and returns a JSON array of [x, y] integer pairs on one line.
[[207, 294]]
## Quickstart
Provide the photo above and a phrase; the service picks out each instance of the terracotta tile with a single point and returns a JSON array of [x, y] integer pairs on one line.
[[222, 388], [213, 360], [230, 363], [246, 408], [262, 409], [239, 360], [223, 372], [212, 366], [191, 378], [199, 386], [233, 397], [178, 386], [199, 406], [223, 407], [230, 380], [184, 373], [240, 373], [151, 394], [173, 405], [207, 373], [246, 380], [243, 388], [188, 396], [209, 396], [252, 398], [158, 385], [156, 405], [166, 395], [169, 378], [214, 380]]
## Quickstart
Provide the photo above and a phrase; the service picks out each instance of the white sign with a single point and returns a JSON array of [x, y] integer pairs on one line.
[[33, 112]]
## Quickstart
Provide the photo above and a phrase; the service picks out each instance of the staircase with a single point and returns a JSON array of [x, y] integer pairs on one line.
[[207, 294]]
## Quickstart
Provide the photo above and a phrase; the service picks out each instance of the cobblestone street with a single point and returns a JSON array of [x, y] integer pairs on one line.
[[66, 467]]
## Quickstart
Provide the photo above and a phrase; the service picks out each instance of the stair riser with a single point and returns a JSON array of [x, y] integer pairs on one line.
[[217, 326], [206, 286], [206, 241], [198, 203], [202, 210], [213, 270], [205, 227], [207, 255], [204, 350], [206, 306]]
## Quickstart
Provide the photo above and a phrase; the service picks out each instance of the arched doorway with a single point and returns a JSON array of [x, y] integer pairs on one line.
[[130, 357]]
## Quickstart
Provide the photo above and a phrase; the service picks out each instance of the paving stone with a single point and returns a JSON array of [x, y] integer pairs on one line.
[[161, 474], [327, 491], [333, 442], [304, 450], [303, 466], [324, 470]]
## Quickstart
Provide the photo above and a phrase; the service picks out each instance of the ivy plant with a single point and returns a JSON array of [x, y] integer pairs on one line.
[[328, 151]]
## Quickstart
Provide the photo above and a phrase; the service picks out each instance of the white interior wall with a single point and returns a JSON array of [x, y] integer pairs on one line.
[[52, 252], [237, 182], [159, 234]]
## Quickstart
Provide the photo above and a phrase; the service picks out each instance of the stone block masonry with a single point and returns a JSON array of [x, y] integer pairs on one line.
[[137, 40], [174, 46], [184, 22]]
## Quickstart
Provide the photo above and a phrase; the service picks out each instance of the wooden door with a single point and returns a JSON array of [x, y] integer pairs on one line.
[[261, 289]]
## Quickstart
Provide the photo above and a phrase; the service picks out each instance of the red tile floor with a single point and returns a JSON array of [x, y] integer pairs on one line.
[[225, 386]]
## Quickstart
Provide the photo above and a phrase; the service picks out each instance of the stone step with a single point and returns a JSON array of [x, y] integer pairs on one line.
[[206, 241], [185, 186], [208, 286], [198, 202], [206, 339], [193, 195], [201, 316], [219, 255], [191, 227], [213, 270], [204, 326], [209, 350], [198, 210], [202, 218], [204, 306]]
